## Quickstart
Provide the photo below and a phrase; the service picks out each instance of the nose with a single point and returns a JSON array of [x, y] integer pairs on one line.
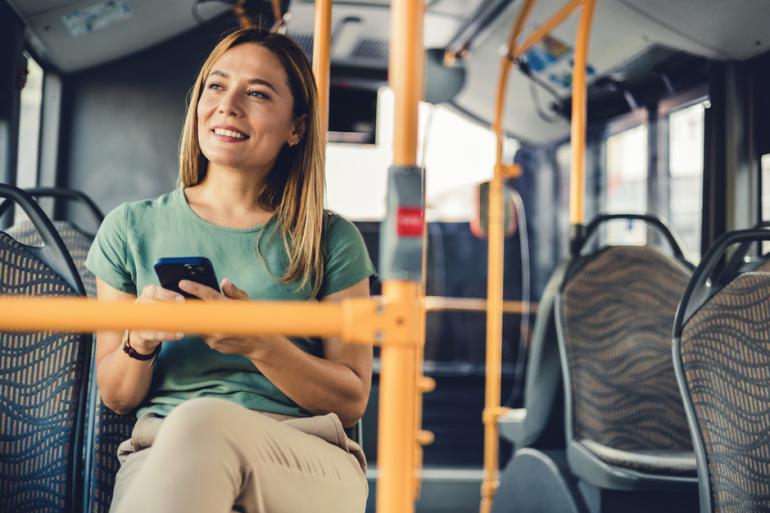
[[229, 104]]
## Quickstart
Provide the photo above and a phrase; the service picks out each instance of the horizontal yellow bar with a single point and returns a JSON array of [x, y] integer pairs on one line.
[[461, 304], [364, 320], [540, 32]]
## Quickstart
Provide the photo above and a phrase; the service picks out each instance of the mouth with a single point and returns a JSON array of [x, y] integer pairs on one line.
[[228, 134]]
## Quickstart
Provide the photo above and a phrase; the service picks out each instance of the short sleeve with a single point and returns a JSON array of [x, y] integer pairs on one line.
[[108, 257], [347, 259]]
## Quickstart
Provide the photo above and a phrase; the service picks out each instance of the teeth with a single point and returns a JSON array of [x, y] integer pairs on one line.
[[229, 133]]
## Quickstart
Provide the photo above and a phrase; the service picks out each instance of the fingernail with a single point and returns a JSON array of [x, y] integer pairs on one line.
[[179, 298], [184, 283], [180, 335]]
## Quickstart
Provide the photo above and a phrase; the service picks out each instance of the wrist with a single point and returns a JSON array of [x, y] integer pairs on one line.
[[140, 345], [262, 348]]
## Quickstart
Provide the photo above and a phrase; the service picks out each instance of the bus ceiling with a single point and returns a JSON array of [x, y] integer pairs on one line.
[[639, 47]]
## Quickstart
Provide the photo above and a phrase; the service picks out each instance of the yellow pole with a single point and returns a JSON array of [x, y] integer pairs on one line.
[[550, 24], [397, 450], [579, 109], [495, 279], [322, 37], [291, 318]]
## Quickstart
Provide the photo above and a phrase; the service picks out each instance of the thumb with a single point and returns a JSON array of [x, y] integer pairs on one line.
[[231, 291]]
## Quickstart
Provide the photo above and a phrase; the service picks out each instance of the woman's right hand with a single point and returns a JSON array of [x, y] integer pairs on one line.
[[145, 342]]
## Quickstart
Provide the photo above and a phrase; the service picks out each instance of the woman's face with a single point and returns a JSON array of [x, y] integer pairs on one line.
[[245, 112]]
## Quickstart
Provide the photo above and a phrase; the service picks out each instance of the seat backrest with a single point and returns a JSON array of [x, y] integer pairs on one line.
[[42, 388], [543, 390], [105, 430], [725, 359], [615, 315]]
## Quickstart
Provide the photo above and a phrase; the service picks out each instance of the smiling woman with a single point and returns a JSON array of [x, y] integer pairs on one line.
[[215, 411]]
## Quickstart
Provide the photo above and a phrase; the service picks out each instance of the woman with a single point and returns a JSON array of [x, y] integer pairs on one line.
[[228, 423]]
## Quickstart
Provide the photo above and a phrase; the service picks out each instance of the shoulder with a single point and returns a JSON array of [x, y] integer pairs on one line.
[[137, 212], [338, 229]]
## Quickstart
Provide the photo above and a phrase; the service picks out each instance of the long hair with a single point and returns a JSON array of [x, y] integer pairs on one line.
[[294, 188]]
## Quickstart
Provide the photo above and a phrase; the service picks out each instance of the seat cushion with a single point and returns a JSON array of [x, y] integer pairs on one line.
[[679, 463]]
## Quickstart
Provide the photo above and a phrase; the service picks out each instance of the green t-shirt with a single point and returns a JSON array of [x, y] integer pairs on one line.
[[134, 235]]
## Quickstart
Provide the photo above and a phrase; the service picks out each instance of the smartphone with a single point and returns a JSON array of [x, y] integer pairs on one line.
[[171, 271]]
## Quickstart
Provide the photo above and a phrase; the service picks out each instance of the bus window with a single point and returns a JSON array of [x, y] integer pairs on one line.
[[626, 185], [29, 125], [685, 165]]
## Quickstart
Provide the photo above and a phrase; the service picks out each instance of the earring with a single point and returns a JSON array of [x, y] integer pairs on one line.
[[293, 142]]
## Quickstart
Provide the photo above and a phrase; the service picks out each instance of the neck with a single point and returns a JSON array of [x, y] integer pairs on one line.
[[229, 191]]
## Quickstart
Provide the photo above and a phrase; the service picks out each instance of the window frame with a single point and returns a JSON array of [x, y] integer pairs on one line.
[[666, 107]]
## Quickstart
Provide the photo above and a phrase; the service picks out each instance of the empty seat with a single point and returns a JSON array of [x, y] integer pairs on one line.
[[105, 429], [722, 358], [626, 424], [42, 379], [540, 423]]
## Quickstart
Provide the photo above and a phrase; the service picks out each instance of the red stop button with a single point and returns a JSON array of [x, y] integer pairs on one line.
[[410, 221]]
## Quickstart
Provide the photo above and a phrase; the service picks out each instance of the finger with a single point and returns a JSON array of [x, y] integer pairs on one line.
[[232, 291], [199, 290], [165, 336]]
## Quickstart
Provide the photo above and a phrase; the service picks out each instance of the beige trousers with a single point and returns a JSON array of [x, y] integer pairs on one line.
[[215, 456]]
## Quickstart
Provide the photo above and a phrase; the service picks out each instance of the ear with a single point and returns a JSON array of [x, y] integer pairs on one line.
[[298, 132]]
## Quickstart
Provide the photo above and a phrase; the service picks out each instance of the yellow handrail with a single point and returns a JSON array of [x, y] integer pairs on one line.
[[495, 278], [321, 61], [397, 445], [579, 112], [469, 304], [492, 408], [355, 320]]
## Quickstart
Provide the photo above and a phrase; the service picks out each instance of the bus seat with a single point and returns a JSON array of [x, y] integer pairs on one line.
[[42, 379], [540, 422], [627, 420], [105, 429], [722, 358]]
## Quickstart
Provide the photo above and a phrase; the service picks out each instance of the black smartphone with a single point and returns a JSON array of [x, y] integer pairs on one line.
[[171, 271]]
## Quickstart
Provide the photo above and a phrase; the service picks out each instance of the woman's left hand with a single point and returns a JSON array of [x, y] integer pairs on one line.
[[227, 344]]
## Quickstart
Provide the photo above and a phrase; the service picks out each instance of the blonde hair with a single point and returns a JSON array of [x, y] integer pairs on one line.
[[294, 188]]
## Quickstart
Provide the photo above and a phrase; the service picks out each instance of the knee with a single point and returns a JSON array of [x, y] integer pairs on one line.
[[199, 420]]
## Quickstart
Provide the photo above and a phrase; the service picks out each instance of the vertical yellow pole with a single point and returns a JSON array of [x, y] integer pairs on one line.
[[396, 457], [495, 280], [322, 37], [579, 109]]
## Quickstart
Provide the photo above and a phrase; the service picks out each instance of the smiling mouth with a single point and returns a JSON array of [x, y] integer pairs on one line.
[[232, 134]]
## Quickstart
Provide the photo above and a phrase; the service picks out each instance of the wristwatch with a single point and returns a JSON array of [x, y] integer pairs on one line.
[[136, 355]]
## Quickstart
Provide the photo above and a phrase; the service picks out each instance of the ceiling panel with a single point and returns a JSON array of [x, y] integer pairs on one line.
[[621, 31], [150, 22], [32, 7], [736, 29]]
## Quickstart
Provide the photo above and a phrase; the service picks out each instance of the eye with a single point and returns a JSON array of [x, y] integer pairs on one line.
[[214, 85], [258, 94]]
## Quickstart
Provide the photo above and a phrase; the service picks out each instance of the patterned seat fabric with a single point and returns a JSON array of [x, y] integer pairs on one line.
[[78, 243], [725, 351], [109, 429], [617, 315], [41, 385]]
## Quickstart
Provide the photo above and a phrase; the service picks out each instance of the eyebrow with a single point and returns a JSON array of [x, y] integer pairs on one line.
[[258, 81]]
